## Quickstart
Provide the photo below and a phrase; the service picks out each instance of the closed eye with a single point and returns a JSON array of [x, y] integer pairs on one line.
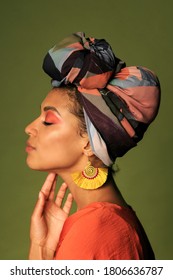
[[51, 118], [47, 123]]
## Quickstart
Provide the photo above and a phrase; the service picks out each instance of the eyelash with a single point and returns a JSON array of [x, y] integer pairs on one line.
[[47, 123]]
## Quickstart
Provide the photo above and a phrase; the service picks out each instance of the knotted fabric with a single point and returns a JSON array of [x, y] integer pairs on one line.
[[87, 62], [119, 102]]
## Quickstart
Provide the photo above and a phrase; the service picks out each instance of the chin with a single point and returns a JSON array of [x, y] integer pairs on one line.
[[33, 165], [38, 167]]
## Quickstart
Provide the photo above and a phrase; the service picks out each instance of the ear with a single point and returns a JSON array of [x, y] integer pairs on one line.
[[87, 150]]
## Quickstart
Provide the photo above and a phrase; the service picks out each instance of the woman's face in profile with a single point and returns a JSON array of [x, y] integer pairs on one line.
[[54, 140]]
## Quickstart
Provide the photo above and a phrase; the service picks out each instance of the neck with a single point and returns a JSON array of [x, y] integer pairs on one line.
[[106, 193]]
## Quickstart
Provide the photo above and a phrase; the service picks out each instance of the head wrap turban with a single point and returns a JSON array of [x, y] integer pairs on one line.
[[119, 102]]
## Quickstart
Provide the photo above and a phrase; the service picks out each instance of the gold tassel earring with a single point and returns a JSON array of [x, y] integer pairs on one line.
[[91, 177]]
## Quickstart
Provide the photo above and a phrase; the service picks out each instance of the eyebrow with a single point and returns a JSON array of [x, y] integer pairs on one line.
[[47, 108]]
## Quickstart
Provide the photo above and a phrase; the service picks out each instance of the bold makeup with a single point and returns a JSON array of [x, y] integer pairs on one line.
[[51, 117]]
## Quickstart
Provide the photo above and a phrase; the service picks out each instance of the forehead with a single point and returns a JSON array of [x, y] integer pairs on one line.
[[57, 98]]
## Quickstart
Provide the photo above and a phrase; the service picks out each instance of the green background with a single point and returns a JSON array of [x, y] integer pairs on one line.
[[140, 32]]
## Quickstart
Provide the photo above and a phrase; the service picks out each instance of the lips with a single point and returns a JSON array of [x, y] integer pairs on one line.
[[29, 147]]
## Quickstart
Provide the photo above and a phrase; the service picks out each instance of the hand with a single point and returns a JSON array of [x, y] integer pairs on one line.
[[48, 217]]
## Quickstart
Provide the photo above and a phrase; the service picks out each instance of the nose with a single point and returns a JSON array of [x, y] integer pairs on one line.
[[32, 128]]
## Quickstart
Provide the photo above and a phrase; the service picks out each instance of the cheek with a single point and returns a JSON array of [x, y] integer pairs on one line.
[[60, 144], [53, 139], [48, 138]]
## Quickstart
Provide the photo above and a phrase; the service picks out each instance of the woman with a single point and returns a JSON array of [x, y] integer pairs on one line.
[[96, 111]]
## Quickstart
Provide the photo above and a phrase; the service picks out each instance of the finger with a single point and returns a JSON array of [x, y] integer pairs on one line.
[[48, 184], [52, 191], [68, 204], [61, 194], [39, 207]]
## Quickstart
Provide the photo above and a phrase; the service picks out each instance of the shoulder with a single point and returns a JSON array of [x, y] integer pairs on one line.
[[104, 216], [100, 231]]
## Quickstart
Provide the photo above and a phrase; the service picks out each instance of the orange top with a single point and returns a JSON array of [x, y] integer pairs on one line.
[[103, 231]]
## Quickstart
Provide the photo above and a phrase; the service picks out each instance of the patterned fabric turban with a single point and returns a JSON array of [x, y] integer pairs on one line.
[[119, 102]]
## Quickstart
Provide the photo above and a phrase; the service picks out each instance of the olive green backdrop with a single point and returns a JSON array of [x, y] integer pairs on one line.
[[140, 32]]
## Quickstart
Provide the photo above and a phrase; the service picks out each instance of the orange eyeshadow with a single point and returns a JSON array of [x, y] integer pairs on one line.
[[52, 118]]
